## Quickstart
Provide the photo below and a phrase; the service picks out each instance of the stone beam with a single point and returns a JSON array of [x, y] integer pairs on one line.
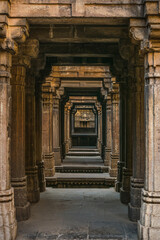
[[85, 8], [72, 49], [78, 33], [79, 72]]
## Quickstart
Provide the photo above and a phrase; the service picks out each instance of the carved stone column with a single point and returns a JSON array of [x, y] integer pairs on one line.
[[149, 224], [18, 177], [127, 169], [115, 129], [56, 131], [31, 167], [65, 128], [107, 159], [121, 162], [47, 130], [99, 140], [137, 180], [68, 134], [8, 225], [39, 160]]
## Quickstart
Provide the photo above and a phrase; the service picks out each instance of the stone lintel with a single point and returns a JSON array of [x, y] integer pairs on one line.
[[77, 8]]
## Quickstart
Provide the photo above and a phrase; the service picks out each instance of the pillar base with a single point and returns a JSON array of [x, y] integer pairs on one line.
[[32, 184], [20, 196], [118, 186], [135, 202], [113, 167], [8, 223], [107, 156], [148, 233], [112, 172], [49, 164], [124, 196], [57, 156], [125, 189], [23, 213], [41, 176], [149, 224]]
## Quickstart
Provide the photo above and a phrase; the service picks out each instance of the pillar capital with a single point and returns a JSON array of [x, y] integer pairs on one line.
[[26, 51], [68, 106], [18, 29], [115, 91], [8, 45]]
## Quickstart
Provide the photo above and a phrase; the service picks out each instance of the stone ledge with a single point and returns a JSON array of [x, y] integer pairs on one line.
[[64, 182]]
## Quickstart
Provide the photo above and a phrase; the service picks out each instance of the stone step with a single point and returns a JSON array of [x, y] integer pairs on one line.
[[81, 169], [83, 150], [83, 153], [80, 180], [83, 160]]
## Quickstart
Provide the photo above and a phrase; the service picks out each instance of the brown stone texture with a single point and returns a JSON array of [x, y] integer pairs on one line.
[[56, 131], [39, 159], [115, 130], [127, 170], [108, 146], [47, 131], [18, 177], [30, 151], [82, 45], [121, 161], [137, 180], [8, 226], [149, 224]]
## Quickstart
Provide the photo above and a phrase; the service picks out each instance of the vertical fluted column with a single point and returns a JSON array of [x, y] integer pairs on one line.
[[107, 159], [137, 180], [39, 159], [30, 151], [18, 177], [115, 129], [47, 130], [149, 224], [121, 162], [127, 170], [8, 225], [56, 131]]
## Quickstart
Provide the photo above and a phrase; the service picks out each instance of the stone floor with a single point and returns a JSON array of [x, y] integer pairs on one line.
[[78, 214]]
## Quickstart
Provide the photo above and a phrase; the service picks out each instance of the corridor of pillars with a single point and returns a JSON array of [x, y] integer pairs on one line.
[[80, 97]]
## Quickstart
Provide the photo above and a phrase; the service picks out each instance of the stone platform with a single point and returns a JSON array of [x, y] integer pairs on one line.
[[82, 168], [81, 180]]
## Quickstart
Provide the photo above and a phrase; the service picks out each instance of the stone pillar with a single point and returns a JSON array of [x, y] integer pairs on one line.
[[39, 160], [47, 130], [127, 170], [18, 177], [137, 180], [99, 140], [56, 131], [8, 225], [107, 159], [68, 135], [30, 153], [65, 128], [149, 224], [121, 162], [115, 129]]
